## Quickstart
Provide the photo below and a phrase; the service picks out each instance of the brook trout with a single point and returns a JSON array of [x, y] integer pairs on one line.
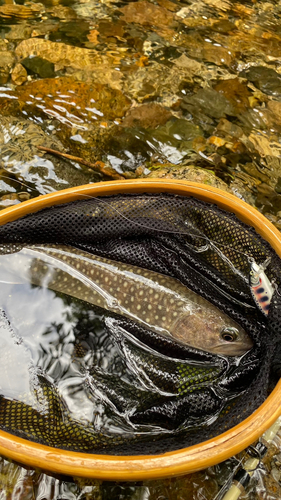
[[159, 302]]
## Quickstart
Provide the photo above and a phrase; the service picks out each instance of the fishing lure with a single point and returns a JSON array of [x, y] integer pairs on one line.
[[261, 288]]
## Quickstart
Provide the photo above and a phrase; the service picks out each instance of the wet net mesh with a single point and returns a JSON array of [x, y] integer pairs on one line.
[[210, 251]]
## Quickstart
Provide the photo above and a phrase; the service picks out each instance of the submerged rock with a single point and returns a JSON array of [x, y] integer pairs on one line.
[[212, 103], [19, 74], [151, 82], [67, 100], [147, 116], [190, 173], [265, 79], [60, 54], [85, 64], [7, 61], [274, 108], [203, 176], [22, 160], [235, 92], [19, 11], [146, 13], [39, 66]]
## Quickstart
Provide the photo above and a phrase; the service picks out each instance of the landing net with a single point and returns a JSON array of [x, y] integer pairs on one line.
[[211, 252]]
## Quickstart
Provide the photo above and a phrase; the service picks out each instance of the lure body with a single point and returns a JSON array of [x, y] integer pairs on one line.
[[261, 288]]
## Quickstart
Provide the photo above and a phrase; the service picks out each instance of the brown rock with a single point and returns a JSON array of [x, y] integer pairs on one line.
[[199, 144], [109, 30], [7, 59], [152, 82], [93, 36], [229, 129], [167, 4], [63, 12], [57, 53], [216, 141], [217, 55], [190, 64], [190, 173], [84, 64], [262, 145], [43, 29], [275, 108], [3, 45], [223, 26], [218, 4], [79, 103], [19, 31], [19, 74], [147, 14], [17, 11], [242, 10], [235, 92], [147, 115], [24, 196], [6, 63], [204, 176]]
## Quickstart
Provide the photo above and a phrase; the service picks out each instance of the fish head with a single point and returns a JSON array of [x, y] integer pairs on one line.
[[214, 332]]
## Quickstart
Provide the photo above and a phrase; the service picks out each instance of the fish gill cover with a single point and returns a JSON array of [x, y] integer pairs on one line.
[[179, 395]]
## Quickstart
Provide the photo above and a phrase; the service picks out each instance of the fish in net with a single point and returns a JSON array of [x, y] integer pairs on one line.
[[209, 251]]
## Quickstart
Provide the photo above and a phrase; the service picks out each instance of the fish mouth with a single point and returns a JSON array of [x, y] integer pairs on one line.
[[232, 349]]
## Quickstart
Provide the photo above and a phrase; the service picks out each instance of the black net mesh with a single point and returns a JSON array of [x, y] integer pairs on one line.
[[208, 250]]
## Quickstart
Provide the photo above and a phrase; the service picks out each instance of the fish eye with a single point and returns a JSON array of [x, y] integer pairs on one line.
[[229, 334]]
